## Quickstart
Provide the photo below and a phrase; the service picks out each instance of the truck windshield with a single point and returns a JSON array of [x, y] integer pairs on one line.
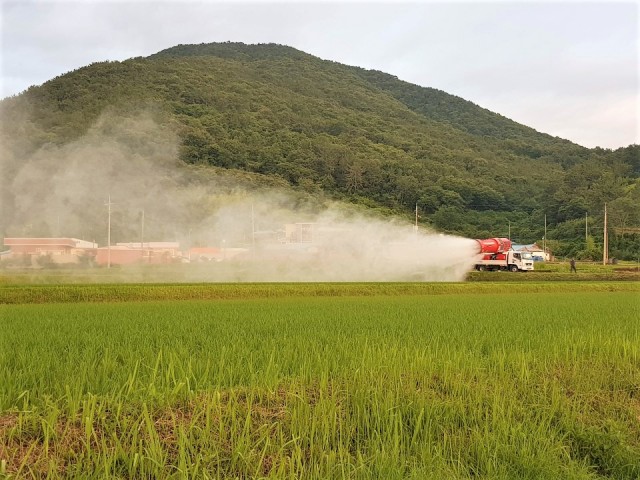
[[527, 256]]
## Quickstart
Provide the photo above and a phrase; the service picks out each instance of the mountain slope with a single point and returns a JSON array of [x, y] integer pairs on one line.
[[353, 134]]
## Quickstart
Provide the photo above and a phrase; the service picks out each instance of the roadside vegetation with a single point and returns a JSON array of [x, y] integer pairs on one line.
[[117, 292]]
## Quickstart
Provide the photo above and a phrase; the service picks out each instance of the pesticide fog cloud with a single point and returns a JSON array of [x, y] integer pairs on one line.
[[228, 229]]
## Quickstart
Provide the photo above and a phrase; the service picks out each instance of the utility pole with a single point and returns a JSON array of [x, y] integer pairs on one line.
[[253, 230], [605, 247], [586, 228], [142, 232], [544, 239], [109, 234], [416, 226], [142, 236]]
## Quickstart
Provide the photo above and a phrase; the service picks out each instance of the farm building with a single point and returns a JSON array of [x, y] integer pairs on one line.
[[136, 252], [205, 254], [299, 232], [57, 250]]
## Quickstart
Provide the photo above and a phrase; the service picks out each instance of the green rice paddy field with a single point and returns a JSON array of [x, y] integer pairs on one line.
[[321, 381]]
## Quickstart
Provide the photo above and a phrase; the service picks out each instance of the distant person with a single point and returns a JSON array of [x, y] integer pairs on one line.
[[572, 263]]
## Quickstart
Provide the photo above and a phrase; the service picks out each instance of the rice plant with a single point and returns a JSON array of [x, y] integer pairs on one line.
[[323, 384]]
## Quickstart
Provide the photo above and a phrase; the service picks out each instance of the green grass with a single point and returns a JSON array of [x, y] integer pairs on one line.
[[467, 385], [31, 294], [561, 272], [237, 271]]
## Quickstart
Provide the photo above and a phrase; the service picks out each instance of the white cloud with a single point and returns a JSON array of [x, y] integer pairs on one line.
[[571, 54]]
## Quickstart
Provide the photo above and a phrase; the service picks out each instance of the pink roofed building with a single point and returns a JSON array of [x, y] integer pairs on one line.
[[58, 250], [139, 253]]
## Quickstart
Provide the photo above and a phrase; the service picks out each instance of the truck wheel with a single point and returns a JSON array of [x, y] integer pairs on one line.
[[513, 268], [480, 268]]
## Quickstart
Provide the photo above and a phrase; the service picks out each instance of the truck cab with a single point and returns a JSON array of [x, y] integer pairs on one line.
[[520, 261]]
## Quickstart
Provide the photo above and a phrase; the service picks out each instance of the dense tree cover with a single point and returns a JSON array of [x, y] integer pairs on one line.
[[352, 134]]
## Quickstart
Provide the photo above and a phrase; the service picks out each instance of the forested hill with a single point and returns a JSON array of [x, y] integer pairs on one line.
[[352, 134]]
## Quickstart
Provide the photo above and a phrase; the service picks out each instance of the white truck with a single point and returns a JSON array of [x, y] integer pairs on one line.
[[496, 254]]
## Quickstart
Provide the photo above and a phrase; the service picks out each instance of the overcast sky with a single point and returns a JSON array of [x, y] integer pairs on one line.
[[568, 69]]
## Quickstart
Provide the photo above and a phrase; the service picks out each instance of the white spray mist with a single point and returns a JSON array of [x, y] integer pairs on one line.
[[61, 190]]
